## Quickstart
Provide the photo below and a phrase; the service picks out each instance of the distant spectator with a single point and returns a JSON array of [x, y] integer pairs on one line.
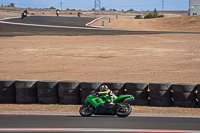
[[57, 12]]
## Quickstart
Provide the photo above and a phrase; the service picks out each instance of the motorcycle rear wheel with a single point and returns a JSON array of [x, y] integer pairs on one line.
[[86, 110], [124, 111]]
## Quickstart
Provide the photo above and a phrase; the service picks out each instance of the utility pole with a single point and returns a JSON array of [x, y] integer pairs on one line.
[[97, 6], [162, 7], [61, 7]]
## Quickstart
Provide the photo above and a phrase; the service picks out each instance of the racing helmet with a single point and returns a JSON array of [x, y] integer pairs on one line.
[[103, 88]]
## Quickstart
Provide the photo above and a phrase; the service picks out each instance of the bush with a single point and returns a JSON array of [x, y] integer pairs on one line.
[[160, 16], [130, 10], [150, 15], [138, 17], [153, 14], [52, 7]]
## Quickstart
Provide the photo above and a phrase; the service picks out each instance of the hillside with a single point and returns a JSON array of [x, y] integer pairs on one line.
[[183, 23]]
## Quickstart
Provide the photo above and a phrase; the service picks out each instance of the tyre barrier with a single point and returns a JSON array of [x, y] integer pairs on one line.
[[7, 91], [69, 92], [47, 92], [140, 92], [184, 95], [75, 92], [160, 94], [26, 91], [87, 88]]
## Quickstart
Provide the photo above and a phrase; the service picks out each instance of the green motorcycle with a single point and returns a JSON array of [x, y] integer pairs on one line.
[[94, 104]]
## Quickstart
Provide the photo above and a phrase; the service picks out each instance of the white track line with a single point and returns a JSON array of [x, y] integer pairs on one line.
[[88, 24]]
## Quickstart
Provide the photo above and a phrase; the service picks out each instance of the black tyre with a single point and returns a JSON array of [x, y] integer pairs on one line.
[[47, 93], [198, 87], [70, 100], [160, 95], [140, 102], [86, 110], [184, 96], [26, 88], [7, 88], [138, 94], [114, 85], [24, 84], [47, 84], [183, 87], [187, 104], [26, 92], [166, 86], [85, 93], [124, 111], [90, 85], [7, 92], [198, 95], [48, 100], [83, 101], [160, 103], [26, 100], [7, 83], [66, 92], [130, 86], [69, 85], [7, 99], [118, 92]]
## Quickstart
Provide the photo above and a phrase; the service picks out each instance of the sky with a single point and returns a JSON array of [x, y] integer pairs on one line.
[[137, 5]]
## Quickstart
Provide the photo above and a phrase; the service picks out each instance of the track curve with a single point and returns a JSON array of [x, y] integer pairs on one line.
[[63, 26]]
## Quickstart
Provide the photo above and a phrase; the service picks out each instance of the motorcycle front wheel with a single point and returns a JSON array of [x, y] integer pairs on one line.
[[86, 110], [124, 111]]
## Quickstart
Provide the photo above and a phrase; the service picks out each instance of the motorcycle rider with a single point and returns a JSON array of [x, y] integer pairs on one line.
[[57, 12], [24, 14], [109, 95]]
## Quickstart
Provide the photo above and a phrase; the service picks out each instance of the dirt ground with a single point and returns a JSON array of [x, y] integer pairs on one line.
[[180, 24], [171, 58]]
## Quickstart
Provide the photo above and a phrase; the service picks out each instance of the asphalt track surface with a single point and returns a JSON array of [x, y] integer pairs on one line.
[[53, 20], [62, 26], [97, 122]]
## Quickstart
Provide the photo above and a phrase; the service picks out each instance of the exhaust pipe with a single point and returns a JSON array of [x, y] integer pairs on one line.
[[129, 99]]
